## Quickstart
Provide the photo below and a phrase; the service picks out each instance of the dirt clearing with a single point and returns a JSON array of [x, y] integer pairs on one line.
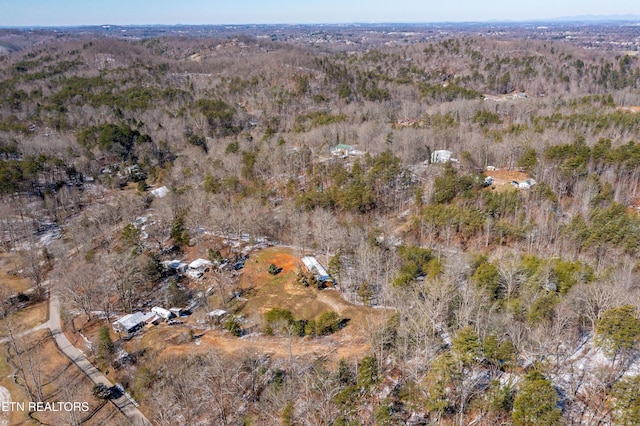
[[264, 291], [502, 179]]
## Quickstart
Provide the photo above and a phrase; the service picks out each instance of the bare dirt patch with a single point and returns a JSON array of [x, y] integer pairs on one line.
[[502, 178], [347, 343], [281, 290], [633, 109], [285, 260]]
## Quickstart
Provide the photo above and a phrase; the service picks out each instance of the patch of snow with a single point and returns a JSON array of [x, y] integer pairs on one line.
[[160, 192], [87, 341], [140, 220], [49, 236]]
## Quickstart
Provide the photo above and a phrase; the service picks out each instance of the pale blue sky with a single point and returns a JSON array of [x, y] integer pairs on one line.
[[131, 12]]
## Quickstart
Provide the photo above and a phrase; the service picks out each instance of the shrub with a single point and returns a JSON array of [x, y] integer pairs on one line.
[[306, 279], [274, 270], [199, 141], [101, 391], [106, 348], [328, 323], [233, 326]]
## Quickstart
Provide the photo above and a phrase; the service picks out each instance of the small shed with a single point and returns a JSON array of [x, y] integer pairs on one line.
[[160, 192], [216, 316], [155, 319], [178, 312]]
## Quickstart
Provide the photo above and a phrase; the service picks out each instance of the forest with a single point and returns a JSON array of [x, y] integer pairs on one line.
[[498, 302]]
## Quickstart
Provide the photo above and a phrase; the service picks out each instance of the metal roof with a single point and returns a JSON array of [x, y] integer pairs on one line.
[[200, 263], [133, 320], [314, 266]]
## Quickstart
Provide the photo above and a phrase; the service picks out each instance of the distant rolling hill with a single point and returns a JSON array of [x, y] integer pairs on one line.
[[598, 18]]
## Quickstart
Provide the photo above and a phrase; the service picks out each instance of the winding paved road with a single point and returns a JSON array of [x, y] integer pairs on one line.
[[123, 404], [135, 416]]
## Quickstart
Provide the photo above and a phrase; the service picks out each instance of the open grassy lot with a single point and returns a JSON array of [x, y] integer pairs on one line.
[[10, 263], [25, 319], [269, 291]]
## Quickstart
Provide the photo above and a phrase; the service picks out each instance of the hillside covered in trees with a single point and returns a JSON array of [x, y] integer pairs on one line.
[[505, 303]]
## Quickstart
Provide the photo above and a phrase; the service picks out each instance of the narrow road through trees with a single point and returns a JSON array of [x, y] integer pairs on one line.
[[123, 404]]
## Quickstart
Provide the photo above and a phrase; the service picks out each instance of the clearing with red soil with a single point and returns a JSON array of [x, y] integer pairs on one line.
[[264, 291]]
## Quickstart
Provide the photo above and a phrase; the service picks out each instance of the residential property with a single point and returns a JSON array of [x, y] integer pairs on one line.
[[198, 267], [406, 122], [343, 150], [316, 269], [442, 156], [174, 265], [132, 322], [526, 184], [164, 313]]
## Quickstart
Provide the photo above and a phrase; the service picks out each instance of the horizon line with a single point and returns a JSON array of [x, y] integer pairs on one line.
[[563, 19]]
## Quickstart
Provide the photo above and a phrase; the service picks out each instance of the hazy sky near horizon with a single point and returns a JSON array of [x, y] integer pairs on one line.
[[147, 12]]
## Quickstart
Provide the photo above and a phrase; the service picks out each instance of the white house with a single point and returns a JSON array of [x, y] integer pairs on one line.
[[164, 313], [441, 156], [316, 268], [198, 267], [174, 265], [131, 322], [526, 184]]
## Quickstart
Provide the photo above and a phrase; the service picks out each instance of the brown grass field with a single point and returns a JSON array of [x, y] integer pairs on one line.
[[10, 262], [61, 381], [25, 319]]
